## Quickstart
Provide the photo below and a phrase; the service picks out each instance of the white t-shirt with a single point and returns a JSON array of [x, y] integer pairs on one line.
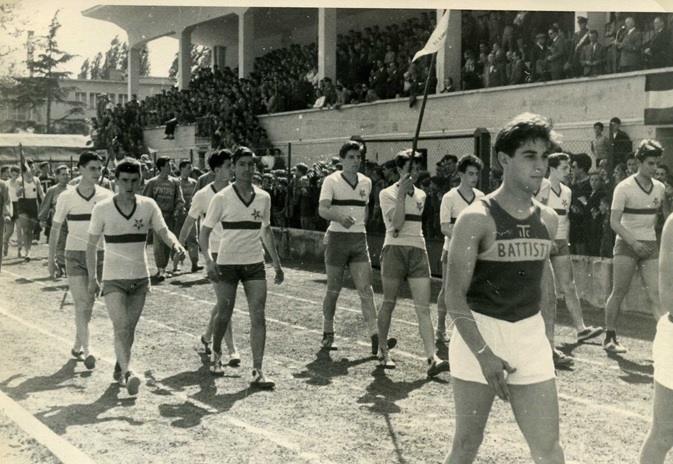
[[347, 199], [200, 203], [453, 203], [560, 202], [639, 206], [241, 224], [125, 236], [411, 233], [76, 209]]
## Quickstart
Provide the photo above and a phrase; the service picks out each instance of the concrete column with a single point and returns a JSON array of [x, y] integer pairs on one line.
[[184, 58], [327, 43], [246, 35], [448, 57], [133, 70], [219, 56]]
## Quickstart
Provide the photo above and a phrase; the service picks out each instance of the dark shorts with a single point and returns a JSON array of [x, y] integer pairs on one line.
[[27, 207], [15, 210], [624, 249], [342, 248], [128, 286], [235, 273], [400, 262], [75, 263], [560, 248]]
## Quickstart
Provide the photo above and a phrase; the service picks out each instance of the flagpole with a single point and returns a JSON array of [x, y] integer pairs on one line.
[[425, 99], [22, 160]]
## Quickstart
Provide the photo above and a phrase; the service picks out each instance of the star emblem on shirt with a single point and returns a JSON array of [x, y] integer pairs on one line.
[[544, 201], [419, 205], [256, 214], [138, 224], [656, 201], [363, 193], [564, 203]]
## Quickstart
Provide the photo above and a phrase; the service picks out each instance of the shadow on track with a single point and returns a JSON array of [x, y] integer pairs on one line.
[[60, 418], [42, 383], [323, 368]]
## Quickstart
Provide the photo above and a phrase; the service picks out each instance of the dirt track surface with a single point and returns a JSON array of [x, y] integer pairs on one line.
[[327, 407]]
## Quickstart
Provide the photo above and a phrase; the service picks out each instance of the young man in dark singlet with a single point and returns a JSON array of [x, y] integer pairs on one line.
[[498, 347]]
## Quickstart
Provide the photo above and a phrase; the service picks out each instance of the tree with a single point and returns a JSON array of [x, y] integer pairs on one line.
[[84, 70], [95, 70], [11, 30], [43, 87], [201, 58]]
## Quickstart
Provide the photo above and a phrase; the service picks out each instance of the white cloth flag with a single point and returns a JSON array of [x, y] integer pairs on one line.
[[437, 38]]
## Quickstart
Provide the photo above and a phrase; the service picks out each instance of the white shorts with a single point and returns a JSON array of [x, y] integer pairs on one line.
[[522, 344], [662, 353]]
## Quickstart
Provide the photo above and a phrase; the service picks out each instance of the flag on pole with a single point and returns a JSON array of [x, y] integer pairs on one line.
[[23, 164], [437, 38]]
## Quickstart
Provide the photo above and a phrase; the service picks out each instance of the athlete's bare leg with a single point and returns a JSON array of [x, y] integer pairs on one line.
[[623, 268], [564, 273], [125, 311], [650, 271], [255, 292], [473, 403], [660, 439], [335, 275], [84, 301], [442, 304], [362, 277], [420, 291]]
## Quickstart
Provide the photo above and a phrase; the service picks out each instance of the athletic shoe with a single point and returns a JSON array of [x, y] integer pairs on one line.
[[27, 257], [177, 268], [613, 346], [392, 343], [206, 345], [259, 380], [435, 368], [589, 333], [385, 360], [196, 268], [442, 337], [327, 342], [76, 354], [90, 362], [117, 373], [216, 368], [132, 383], [234, 360], [158, 278], [561, 360]]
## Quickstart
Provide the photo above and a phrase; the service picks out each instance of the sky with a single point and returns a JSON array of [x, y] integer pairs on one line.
[[85, 37], [82, 36]]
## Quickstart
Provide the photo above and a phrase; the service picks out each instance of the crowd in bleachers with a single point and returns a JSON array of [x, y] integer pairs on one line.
[[511, 48]]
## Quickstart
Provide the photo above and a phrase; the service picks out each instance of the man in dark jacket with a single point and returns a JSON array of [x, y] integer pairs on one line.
[[658, 51]]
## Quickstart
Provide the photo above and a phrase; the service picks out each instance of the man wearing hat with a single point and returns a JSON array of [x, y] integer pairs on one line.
[[580, 39]]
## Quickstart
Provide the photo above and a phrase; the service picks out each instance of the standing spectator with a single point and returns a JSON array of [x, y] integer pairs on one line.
[[621, 142], [448, 85], [188, 187], [593, 56], [380, 80], [611, 53], [538, 59], [166, 191], [594, 218], [469, 76], [557, 54], [631, 165], [519, 69], [631, 47], [600, 145], [580, 39], [581, 190], [658, 51]]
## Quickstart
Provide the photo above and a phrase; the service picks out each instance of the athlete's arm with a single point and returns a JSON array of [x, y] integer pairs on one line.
[[471, 229], [179, 199], [91, 263], [326, 212], [547, 282], [397, 215], [171, 240], [43, 214], [186, 228], [666, 266], [625, 234], [270, 244], [53, 244]]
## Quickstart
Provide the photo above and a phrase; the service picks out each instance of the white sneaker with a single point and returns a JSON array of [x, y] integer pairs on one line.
[[613, 346]]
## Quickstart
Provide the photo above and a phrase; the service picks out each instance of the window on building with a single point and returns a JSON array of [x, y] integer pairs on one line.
[[92, 100]]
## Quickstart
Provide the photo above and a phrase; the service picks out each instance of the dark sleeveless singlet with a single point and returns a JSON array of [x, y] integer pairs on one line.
[[506, 280]]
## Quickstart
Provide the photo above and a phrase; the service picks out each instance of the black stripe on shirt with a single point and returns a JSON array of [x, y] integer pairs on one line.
[[560, 212], [413, 217], [349, 203], [79, 217], [126, 238], [640, 210], [247, 225]]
